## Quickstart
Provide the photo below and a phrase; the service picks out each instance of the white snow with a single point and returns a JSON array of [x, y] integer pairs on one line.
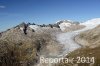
[[95, 21], [35, 27], [67, 39], [58, 21], [70, 20], [90, 24], [21, 28], [64, 25], [64, 21]]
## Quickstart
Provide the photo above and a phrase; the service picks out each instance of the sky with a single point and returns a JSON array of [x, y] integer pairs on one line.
[[14, 12]]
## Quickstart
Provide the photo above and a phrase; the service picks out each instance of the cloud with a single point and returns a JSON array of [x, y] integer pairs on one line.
[[2, 6]]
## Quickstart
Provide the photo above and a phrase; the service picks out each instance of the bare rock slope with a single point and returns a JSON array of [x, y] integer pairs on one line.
[[89, 38]]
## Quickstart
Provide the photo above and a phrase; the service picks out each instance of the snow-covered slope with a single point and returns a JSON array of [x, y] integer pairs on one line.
[[35, 27], [64, 25], [95, 21], [91, 23], [67, 39]]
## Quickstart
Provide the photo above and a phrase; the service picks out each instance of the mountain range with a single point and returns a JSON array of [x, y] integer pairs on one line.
[[25, 43]]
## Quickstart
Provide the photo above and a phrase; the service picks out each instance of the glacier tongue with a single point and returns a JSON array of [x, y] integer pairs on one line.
[[90, 24], [67, 39]]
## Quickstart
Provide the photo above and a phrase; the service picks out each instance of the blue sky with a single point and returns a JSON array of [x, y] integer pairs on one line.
[[13, 12]]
